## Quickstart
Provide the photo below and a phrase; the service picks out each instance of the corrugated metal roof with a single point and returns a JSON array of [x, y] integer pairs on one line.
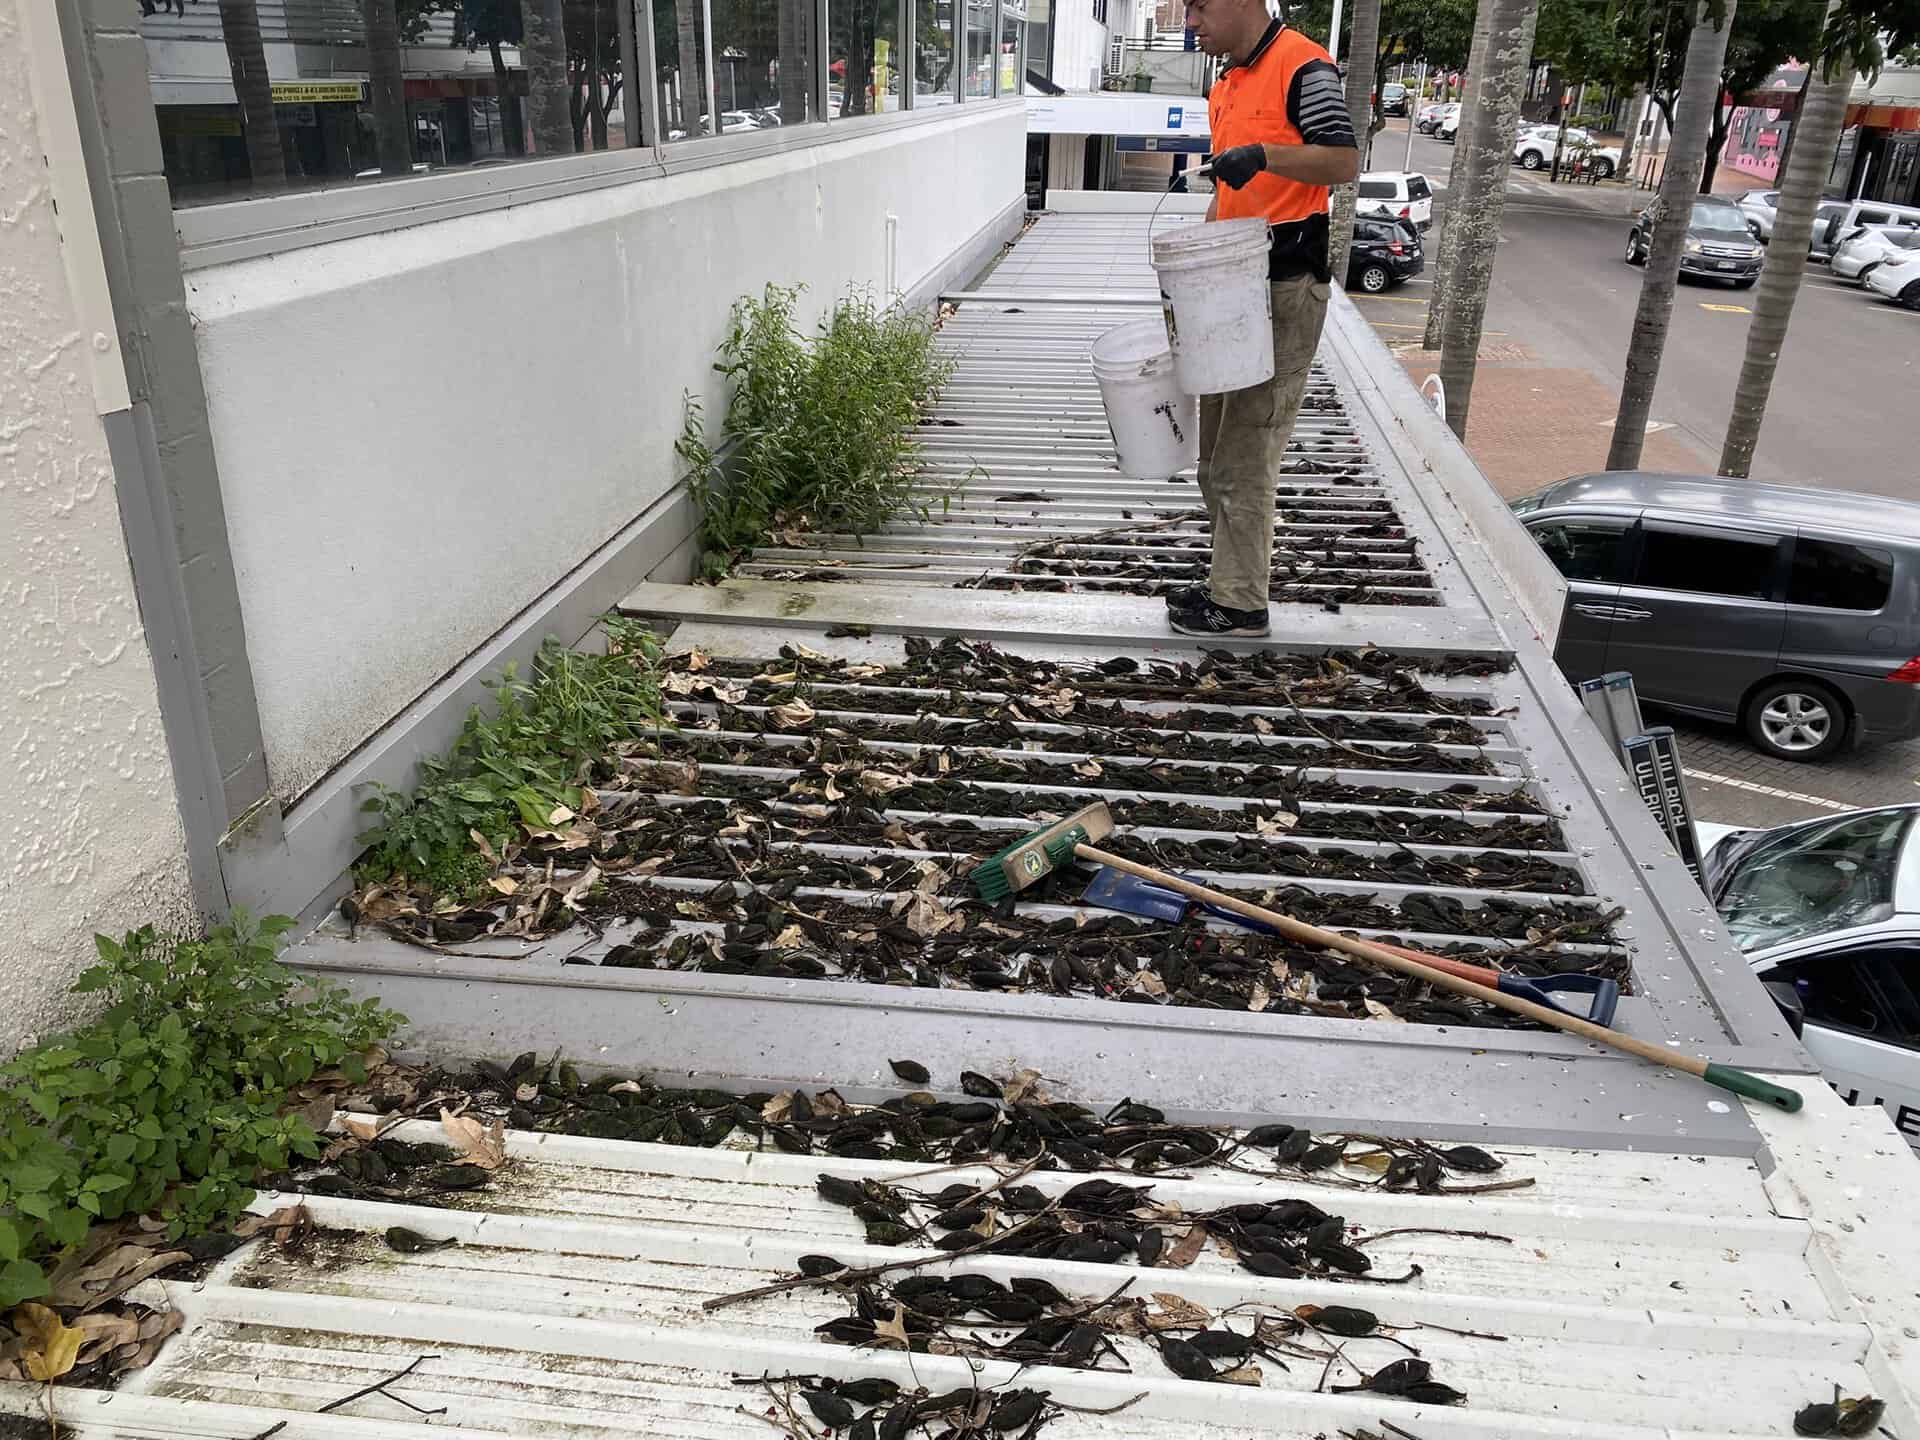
[[1632, 1295]]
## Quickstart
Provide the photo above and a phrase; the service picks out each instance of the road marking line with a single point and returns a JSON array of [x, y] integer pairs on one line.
[[1772, 790], [1390, 299], [1726, 309]]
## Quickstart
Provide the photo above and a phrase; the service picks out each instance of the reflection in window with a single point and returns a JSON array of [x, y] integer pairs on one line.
[[863, 75], [1038, 54], [763, 63], [1011, 77], [977, 78], [933, 53], [678, 33], [1871, 991], [449, 84]]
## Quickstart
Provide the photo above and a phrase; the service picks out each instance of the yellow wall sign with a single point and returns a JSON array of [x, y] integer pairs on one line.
[[316, 92]]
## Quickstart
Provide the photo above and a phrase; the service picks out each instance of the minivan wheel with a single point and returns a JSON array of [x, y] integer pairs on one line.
[[1603, 169], [1635, 255], [1374, 279], [1796, 720], [1533, 160]]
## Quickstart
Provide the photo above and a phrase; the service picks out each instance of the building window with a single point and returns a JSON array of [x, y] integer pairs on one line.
[[977, 78], [933, 77], [763, 63], [863, 75], [1011, 76]]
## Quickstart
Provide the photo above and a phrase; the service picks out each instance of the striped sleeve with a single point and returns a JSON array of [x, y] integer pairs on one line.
[[1318, 108]]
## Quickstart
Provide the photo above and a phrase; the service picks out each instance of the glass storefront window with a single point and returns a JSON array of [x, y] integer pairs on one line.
[[307, 112], [933, 53], [863, 74], [1011, 78], [977, 78], [763, 63], [679, 33], [1038, 55]]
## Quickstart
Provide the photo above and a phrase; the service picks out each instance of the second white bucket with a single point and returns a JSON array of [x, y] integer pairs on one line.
[[1154, 423], [1219, 311]]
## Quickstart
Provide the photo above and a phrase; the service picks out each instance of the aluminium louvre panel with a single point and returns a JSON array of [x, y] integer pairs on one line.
[[1619, 1296], [746, 1032]]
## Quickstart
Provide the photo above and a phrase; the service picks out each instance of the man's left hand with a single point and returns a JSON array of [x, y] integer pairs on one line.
[[1235, 167]]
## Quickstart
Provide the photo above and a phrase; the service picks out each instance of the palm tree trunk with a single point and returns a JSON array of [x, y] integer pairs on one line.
[[544, 48], [513, 128], [1364, 40], [1716, 142], [1686, 149], [1822, 112], [388, 87], [692, 88], [247, 59], [1448, 247], [630, 83], [1483, 195]]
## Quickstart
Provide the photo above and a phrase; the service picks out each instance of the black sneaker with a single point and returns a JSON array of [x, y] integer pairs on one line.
[[1203, 617], [1185, 597]]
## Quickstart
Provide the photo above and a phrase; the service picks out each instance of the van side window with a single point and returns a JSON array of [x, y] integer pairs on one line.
[[1673, 557], [1873, 991], [1377, 190], [1583, 549], [1418, 189], [1838, 576]]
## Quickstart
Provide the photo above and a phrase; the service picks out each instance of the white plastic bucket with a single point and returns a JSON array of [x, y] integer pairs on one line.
[[1155, 424], [1219, 311]]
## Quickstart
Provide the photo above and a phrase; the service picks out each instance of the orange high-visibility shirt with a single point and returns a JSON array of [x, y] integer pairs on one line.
[[1287, 92]]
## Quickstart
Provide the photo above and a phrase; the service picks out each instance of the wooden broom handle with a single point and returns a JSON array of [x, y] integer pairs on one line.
[[1394, 959]]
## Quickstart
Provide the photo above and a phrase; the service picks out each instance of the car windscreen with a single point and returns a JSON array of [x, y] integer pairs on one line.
[[1377, 190], [1718, 220], [1418, 189], [1814, 879]]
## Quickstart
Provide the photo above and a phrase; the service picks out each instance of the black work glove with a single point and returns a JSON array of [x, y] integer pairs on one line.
[[1235, 167]]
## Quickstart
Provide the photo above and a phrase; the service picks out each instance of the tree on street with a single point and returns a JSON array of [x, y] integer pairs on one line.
[[247, 60], [543, 47], [1447, 249], [1706, 52], [494, 24], [594, 80], [1482, 194], [1850, 40], [387, 88], [1365, 37]]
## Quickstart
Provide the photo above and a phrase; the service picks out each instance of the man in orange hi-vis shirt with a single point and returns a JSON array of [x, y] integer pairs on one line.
[[1281, 136]]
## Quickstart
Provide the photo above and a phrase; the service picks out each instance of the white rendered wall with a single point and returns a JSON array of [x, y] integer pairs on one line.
[[419, 432], [90, 833], [1079, 46]]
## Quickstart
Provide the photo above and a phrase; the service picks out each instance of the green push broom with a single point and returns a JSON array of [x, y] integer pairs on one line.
[[1039, 854]]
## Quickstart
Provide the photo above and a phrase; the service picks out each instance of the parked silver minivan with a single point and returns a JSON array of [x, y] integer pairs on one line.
[[1792, 611]]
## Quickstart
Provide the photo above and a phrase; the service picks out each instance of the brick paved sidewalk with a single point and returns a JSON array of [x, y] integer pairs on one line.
[[1533, 424]]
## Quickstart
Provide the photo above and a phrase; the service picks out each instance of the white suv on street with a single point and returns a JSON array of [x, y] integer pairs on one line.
[[1534, 150], [1398, 195]]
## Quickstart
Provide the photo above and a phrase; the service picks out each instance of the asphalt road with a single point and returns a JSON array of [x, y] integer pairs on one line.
[[1847, 380], [1838, 416]]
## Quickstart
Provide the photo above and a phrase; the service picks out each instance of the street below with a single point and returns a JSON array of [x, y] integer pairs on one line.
[[1552, 356]]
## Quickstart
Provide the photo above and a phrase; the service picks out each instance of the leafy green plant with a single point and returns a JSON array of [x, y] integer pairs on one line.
[[520, 763], [172, 1101], [820, 432]]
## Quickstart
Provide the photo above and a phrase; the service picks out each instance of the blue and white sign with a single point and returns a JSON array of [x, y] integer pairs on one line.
[[1173, 117]]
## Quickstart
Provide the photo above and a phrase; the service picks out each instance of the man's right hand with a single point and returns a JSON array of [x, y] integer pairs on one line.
[[1234, 168]]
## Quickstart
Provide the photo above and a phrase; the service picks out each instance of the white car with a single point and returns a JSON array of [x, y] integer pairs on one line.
[[1534, 150], [1866, 247], [1432, 113], [1448, 128], [1759, 206], [1827, 912], [1897, 280], [1397, 194]]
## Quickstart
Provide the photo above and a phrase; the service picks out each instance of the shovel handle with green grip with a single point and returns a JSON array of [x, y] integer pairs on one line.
[[1738, 1082]]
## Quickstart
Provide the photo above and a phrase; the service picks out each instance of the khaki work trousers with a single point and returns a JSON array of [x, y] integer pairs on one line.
[[1243, 440]]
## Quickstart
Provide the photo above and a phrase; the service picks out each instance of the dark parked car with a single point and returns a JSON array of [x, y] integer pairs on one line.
[[1793, 611], [1394, 99], [1385, 252], [1719, 246]]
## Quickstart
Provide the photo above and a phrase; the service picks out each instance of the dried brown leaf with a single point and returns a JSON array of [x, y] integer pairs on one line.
[[89, 1280], [1025, 1086], [1258, 997], [1184, 1251], [1276, 824], [1148, 982], [1248, 1374], [792, 715], [482, 1145], [698, 660], [51, 1346], [893, 1329], [503, 885], [360, 1127], [778, 1108], [1172, 1310], [1377, 1011]]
